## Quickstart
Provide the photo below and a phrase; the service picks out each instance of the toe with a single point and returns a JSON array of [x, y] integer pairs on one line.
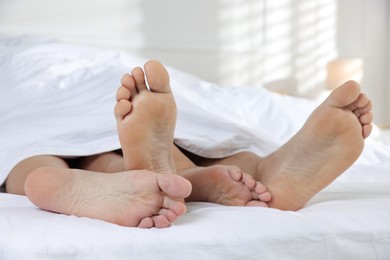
[[360, 101], [174, 185], [160, 221], [128, 82], [363, 109], [366, 118], [122, 108], [257, 203], [123, 93], [260, 188], [157, 76], [176, 206], [344, 95], [248, 181], [146, 223], [366, 130], [235, 173], [169, 214], [139, 78], [266, 196]]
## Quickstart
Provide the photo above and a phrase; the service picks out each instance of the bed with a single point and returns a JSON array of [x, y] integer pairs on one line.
[[350, 219]]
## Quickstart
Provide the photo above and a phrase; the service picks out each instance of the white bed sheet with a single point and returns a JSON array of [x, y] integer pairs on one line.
[[353, 228], [350, 219]]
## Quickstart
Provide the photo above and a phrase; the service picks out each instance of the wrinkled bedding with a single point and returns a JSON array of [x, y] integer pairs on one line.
[[48, 89]]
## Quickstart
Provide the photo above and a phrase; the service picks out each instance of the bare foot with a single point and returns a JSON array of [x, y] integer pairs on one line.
[[136, 198], [329, 142], [146, 119], [226, 185]]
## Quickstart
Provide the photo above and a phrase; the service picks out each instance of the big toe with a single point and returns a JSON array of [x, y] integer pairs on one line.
[[344, 95], [174, 185], [157, 76]]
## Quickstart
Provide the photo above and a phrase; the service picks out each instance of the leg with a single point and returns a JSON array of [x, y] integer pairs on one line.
[[109, 162], [330, 141], [246, 161], [18, 175], [114, 162], [226, 185]]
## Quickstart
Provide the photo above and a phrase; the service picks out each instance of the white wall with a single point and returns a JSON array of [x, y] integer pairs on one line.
[[282, 44], [363, 33], [387, 85]]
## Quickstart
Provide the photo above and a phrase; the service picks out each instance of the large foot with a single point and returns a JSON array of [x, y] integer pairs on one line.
[[136, 198], [329, 142], [146, 119], [226, 185]]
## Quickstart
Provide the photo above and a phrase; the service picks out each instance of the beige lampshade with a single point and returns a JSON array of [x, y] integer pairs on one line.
[[342, 70]]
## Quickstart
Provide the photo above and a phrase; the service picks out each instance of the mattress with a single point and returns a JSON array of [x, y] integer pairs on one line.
[[344, 227], [350, 219]]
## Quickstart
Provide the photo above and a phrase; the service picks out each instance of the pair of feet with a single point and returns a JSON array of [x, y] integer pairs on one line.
[[150, 193]]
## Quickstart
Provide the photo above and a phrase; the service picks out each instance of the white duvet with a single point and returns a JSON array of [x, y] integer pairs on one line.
[[58, 99]]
